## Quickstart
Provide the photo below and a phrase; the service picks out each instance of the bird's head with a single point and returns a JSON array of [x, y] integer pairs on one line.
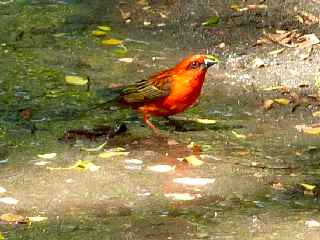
[[197, 64]]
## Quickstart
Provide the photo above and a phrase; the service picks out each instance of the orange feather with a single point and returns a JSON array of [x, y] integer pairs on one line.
[[171, 91]]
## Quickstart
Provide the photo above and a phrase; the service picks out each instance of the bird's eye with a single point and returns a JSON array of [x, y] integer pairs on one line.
[[194, 65]]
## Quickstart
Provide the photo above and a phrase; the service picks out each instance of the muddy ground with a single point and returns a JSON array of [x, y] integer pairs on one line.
[[254, 155]]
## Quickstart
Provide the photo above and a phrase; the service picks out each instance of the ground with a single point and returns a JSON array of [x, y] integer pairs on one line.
[[254, 155]]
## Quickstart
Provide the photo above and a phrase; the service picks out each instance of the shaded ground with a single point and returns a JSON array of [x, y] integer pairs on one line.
[[254, 194]]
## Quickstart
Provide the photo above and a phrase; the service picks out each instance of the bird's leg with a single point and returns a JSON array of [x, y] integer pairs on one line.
[[150, 125]]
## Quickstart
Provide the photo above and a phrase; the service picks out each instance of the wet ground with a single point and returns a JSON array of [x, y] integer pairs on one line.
[[253, 155]]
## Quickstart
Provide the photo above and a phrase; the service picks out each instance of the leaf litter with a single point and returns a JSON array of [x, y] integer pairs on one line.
[[82, 165]]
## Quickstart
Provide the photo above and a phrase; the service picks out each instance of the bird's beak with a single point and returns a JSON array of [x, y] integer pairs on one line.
[[210, 60]]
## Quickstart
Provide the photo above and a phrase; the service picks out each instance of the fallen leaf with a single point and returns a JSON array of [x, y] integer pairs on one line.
[[161, 168], [307, 18], [221, 45], [13, 218], [2, 190], [47, 155], [85, 165], [307, 40], [37, 219], [278, 51], [104, 28], [1, 236], [182, 196], [308, 187], [112, 42], [125, 15], [133, 161], [41, 163], [193, 160], [235, 7], [312, 223], [311, 130], [278, 186], [282, 101], [75, 80], [110, 154], [258, 63], [126, 60], [211, 22], [98, 33], [316, 114], [95, 149], [268, 104], [272, 88], [205, 121], [9, 200], [194, 181], [238, 135]]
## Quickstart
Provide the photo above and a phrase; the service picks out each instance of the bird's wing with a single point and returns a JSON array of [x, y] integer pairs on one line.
[[155, 87]]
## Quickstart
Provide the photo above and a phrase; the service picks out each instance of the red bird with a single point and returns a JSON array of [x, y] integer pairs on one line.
[[169, 92]]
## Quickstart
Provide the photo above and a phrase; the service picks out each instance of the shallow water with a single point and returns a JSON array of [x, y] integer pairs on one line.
[[256, 157]]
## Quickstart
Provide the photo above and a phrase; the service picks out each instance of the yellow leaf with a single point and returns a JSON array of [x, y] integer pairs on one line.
[[268, 104], [96, 149], [75, 80], [238, 135], [193, 160], [312, 131], [272, 88], [112, 42], [98, 33], [110, 154], [47, 155], [316, 114], [85, 165], [308, 187], [37, 219], [12, 218], [104, 28], [282, 101], [1, 236], [235, 7], [205, 121]]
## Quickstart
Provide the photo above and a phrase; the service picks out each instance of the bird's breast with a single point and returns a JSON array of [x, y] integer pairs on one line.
[[184, 93]]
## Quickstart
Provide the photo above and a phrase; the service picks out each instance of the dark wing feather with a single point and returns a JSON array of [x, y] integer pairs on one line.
[[147, 90]]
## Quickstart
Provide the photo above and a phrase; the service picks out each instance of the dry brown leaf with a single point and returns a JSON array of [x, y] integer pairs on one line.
[[307, 18], [124, 15], [278, 51]]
